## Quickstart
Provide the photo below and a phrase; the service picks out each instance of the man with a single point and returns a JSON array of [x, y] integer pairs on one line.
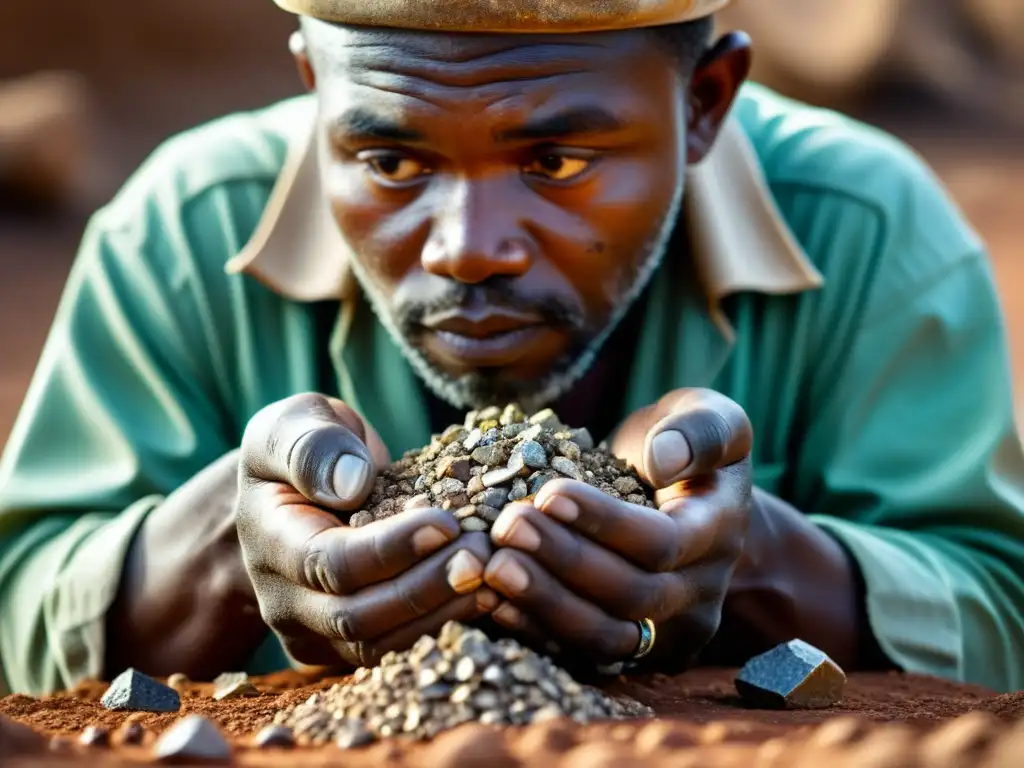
[[775, 313]]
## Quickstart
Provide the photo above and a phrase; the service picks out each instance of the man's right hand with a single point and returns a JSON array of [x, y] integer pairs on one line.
[[330, 592]]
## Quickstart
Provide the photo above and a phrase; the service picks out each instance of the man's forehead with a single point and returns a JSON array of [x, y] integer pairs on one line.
[[350, 49]]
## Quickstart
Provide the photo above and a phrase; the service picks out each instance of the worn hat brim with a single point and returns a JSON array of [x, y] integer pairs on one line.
[[507, 16]]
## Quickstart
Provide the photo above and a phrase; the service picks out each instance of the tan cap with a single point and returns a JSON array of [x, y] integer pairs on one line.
[[509, 16]]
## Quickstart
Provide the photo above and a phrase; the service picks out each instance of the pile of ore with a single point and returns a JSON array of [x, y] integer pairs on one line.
[[497, 457], [461, 677]]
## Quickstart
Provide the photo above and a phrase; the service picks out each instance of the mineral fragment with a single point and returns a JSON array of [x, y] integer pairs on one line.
[[95, 736], [234, 686], [794, 675], [461, 677], [193, 738], [178, 682], [131, 733], [500, 453], [134, 691], [279, 736]]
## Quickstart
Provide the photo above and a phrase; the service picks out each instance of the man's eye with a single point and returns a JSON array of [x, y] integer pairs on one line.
[[558, 167], [396, 168]]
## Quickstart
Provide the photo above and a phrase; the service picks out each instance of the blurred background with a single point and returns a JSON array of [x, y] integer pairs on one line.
[[87, 90]]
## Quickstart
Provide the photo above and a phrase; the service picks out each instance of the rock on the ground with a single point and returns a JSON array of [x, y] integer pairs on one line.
[[235, 689], [193, 738], [95, 736], [461, 677], [274, 736], [793, 675], [134, 691], [131, 733]]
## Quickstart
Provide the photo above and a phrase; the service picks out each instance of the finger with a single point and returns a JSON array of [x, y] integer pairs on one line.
[[568, 618], [463, 609], [389, 605], [644, 536], [687, 433], [309, 547], [704, 431], [594, 572], [314, 445]]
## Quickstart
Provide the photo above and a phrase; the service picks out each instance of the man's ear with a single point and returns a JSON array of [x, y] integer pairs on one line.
[[713, 88], [297, 45]]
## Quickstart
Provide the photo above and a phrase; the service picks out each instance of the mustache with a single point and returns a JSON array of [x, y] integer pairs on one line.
[[500, 294]]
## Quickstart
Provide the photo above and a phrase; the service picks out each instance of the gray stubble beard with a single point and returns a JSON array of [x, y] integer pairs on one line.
[[457, 392]]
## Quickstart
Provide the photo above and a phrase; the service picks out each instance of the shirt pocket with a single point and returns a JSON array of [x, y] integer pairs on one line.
[[769, 476]]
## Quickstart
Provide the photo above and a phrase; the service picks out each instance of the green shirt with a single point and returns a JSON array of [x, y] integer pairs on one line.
[[845, 304]]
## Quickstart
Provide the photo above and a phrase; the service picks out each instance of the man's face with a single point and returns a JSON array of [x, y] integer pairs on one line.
[[505, 198]]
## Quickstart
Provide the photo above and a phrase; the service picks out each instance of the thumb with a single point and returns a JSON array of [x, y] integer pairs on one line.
[[315, 445], [695, 432]]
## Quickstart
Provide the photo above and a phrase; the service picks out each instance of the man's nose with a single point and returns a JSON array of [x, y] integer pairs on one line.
[[477, 234]]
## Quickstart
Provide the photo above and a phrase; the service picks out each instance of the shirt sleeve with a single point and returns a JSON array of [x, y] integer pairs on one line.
[[123, 408], [913, 462]]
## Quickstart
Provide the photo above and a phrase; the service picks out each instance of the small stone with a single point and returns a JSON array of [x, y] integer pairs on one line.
[[491, 425], [353, 734], [134, 691], [467, 511], [512, 414], [448, 487], [794, 675], [534, 454], [452, 434], [471, 419], [638, 499], [420, 484], [489, 514], [419, 502], [494, 675], [359, 519], [626, 485], [513, 431], [524, 672], [500, 476], [473, 440], [519, 490], [582, 438], [546, 713], [455, 501], [465, 669], [569, 450], [491, 455], [546, 419], [275, 736], [459, 469], [490, 413], [95, 736], [178, 682], [236, 689], [427, 678], [131, 733], [565, 467], [192, 738], [531, 432], [475, 486], [474, 525], [492, 497], [540, 480]]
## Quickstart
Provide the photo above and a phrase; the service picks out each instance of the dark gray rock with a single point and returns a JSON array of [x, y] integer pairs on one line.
[[275, 736], [136, 692], [794, 675], [192, 739]]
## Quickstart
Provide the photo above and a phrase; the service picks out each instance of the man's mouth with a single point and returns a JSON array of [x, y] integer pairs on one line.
[[484, 337]]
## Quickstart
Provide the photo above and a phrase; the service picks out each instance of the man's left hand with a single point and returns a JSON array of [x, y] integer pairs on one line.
[[580, 568]]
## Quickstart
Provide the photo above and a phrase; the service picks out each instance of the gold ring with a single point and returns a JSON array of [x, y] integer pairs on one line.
[[647, 637]]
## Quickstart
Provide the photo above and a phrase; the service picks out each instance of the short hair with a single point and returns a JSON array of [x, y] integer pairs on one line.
[[687, 42]]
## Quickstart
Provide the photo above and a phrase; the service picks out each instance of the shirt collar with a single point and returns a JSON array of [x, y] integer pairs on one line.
[[738, 237]]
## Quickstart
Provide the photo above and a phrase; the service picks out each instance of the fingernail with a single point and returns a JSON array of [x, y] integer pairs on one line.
[[487, 600], [350, 476], [508, 615], [516, 532], [562, 509], [670, 454], [511, 577], [465, 572], [428, 539]]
